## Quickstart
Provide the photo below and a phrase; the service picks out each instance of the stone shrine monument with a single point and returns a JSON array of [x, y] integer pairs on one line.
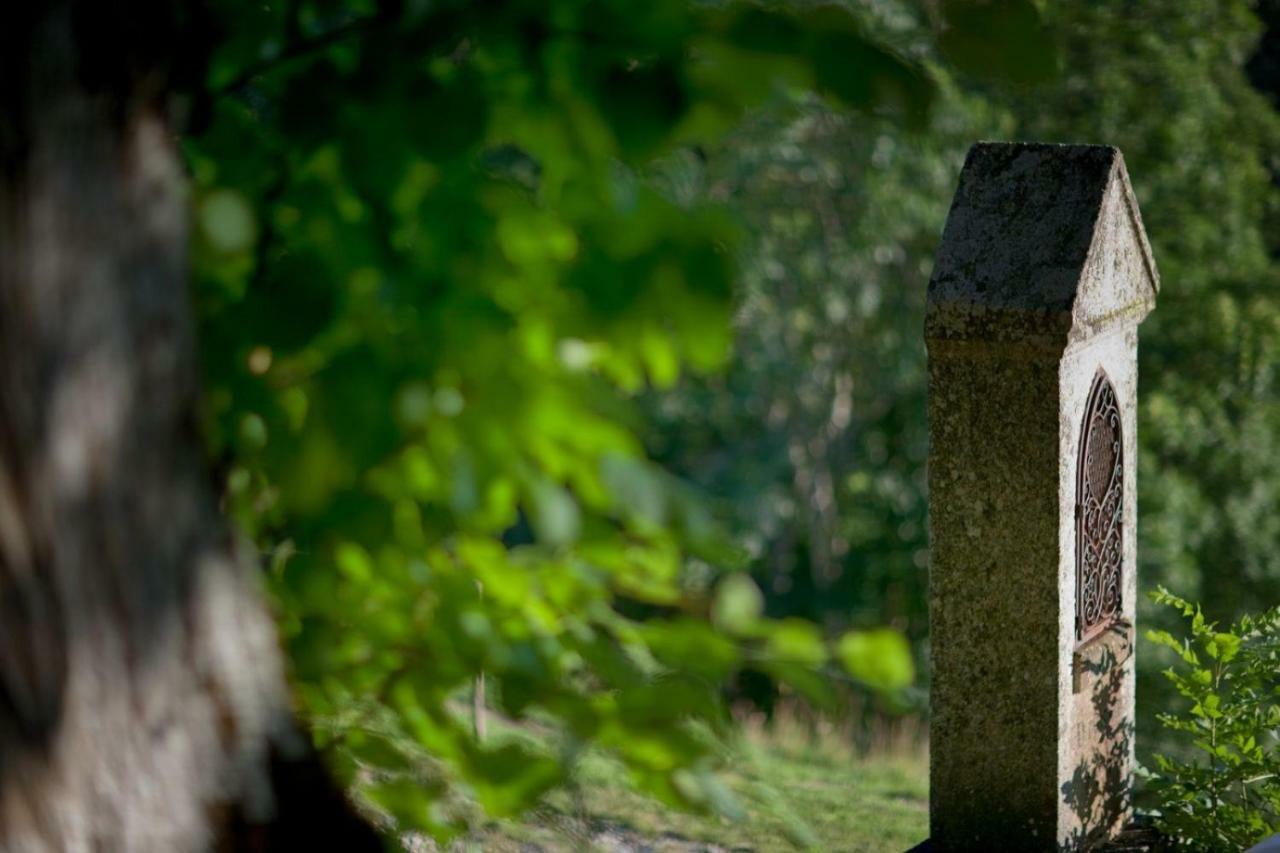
[[1040, 282]]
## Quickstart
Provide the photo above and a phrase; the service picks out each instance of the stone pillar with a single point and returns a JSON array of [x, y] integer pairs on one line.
[[1042, 277]]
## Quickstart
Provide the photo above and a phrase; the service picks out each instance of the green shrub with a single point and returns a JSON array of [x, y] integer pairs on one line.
[[1225, 794]]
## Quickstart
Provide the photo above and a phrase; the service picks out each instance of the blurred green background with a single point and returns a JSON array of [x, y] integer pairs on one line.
[[532, 331], [816, 436]]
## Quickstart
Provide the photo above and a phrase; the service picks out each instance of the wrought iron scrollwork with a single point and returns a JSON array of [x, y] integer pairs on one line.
[[1099, 512]]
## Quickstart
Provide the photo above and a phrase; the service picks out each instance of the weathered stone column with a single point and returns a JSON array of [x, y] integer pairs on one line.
[[1041, 280]]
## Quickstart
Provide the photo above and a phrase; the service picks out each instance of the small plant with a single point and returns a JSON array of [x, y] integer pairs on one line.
[[1228, 796]]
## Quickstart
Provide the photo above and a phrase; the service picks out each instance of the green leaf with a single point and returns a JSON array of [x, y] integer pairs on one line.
[[795, 641], [413, 806], [859, 73], [738, 604], [999, 40], [354, 562], [555, 514], [511, 778], [227, 221], [376, 751], [814, 686], [880, 658], [1222, 647], [691, 645], [637, 490]]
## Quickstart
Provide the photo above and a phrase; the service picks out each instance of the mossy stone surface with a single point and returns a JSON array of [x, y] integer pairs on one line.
[[1041, 280]]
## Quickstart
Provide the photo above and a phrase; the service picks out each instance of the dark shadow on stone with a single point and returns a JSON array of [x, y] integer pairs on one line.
[[1098, 791]]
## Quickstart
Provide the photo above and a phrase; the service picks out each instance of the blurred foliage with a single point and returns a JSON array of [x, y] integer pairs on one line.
[[524, 323], [1228, 796], [816, 436], [438, 256]]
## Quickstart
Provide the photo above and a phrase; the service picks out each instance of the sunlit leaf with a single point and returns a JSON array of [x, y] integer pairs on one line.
[[880, 658], [738, 604]]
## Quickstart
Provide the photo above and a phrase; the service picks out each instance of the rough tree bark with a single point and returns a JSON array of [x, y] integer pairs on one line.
[[142, 702]]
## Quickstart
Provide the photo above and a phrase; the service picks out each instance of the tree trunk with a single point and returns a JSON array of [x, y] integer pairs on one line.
[[142, 701]]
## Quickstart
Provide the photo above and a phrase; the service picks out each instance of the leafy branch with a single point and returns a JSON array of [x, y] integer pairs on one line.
[[1233, 798]]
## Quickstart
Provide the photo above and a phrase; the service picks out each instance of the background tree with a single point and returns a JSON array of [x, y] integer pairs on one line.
[[815, 436]]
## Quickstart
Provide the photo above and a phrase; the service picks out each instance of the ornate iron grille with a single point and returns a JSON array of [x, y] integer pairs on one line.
[[1099, 512]]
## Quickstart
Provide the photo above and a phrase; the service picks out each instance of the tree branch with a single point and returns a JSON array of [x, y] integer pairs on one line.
[[297, 49]]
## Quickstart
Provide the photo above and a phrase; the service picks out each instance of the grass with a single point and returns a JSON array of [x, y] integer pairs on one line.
[[800, 787]]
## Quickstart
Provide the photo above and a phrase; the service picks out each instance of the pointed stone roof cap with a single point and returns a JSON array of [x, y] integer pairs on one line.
[[1044, 246]]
